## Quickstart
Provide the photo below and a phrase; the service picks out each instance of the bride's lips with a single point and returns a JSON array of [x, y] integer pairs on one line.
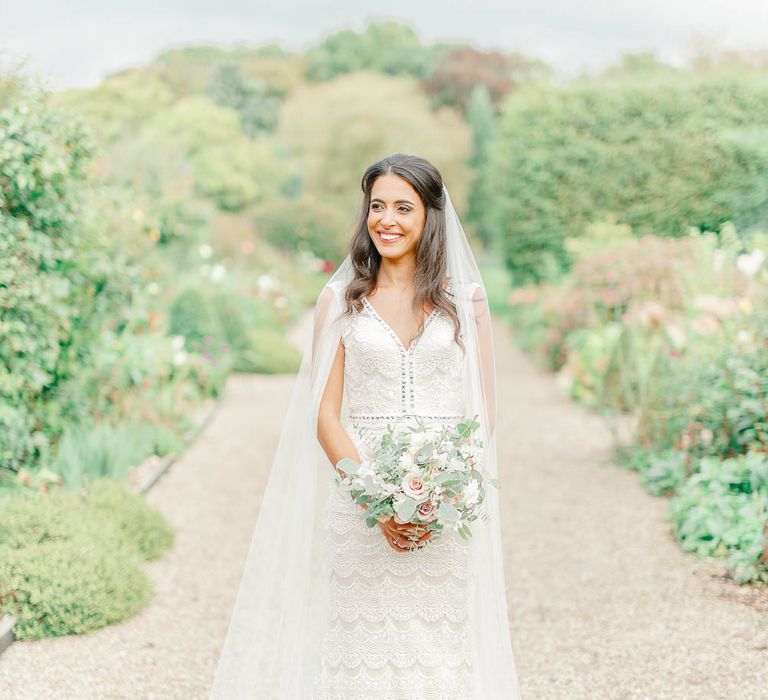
[[388, 242]]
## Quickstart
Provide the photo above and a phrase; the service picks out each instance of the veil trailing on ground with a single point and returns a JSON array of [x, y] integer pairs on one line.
[[271, 650]]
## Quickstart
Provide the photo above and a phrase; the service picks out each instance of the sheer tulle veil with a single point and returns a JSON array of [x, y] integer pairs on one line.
[[271, 650]]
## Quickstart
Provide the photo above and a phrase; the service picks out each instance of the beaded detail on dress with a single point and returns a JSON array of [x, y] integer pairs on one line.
[[382, 377], [398, 625]]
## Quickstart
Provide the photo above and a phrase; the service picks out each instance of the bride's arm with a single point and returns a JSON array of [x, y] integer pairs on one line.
[[330, 432]]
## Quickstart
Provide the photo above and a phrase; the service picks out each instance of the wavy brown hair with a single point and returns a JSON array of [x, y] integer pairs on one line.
[[431, 256]]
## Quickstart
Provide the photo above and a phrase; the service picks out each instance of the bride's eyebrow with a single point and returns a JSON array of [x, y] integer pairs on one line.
[[397, 201]]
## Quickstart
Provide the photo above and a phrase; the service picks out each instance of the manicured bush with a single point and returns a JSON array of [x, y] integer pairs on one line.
[[660, 154], [69, 560]]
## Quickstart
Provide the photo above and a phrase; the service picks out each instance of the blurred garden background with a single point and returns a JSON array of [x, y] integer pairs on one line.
[[167, 227]]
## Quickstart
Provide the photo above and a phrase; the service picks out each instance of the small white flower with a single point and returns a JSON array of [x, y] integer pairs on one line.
[[749, 263], [217, 272], [471, 493], [364, 471], [744, 336], [179, 358], [390, 489], [266, 282], [205, 251], [153, 288], [178, 342], [676, 335]]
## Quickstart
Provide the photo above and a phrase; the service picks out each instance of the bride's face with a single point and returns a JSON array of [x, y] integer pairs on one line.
[[395, 209]]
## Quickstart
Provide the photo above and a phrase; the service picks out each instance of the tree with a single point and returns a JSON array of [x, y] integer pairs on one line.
[[481, 118], [461, 68], [384, 47], [250, 98]]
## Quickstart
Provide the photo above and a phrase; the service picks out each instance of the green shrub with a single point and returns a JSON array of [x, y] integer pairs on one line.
[[191, 316], [306, 222], [69, 562], [225, 326], [660, 155], [59, 588], [665, 472], [271, 353], [59, 284], [88, 452], [722, 510]]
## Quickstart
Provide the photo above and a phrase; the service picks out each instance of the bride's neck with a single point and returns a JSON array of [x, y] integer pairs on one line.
[[396, 274]]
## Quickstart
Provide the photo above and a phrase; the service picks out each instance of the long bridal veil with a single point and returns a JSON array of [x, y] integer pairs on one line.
[[271, 651]]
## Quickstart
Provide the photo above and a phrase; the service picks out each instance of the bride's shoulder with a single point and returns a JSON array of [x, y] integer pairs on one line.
[[466, 290]]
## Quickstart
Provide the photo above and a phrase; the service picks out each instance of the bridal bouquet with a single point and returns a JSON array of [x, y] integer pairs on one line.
[[422, 474]]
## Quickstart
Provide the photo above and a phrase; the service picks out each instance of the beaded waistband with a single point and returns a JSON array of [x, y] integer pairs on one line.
[[399, 416]]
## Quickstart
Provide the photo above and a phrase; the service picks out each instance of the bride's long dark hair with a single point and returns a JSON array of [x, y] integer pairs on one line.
[[431, 255]]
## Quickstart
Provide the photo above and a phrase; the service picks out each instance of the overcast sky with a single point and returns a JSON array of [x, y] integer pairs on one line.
[[77, 42]]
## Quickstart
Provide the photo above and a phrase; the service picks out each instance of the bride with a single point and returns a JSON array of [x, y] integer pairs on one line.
[[328, 607]]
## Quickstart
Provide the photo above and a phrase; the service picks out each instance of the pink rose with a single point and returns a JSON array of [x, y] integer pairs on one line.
[[413, 486], [427, 511]]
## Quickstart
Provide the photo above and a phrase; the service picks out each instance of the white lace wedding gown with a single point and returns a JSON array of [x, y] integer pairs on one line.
[[398, 625]]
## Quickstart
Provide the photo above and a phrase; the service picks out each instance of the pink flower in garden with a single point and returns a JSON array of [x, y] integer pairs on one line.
[[522, 295], [704, 324], [646, 313]]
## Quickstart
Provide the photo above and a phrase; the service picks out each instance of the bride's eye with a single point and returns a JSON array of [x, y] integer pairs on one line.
[[402, 209]]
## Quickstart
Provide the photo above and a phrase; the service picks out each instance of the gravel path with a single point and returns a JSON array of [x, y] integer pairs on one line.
[[604, 605]]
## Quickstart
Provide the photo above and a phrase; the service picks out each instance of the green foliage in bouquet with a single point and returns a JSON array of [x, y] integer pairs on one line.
[[447, 467], [70, 561]]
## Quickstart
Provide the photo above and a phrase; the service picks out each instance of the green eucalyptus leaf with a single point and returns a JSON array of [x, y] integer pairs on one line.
[[405, 509], [446, 511]]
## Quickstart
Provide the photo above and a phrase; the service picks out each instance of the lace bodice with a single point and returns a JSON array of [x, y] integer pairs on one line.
[[383, 378]]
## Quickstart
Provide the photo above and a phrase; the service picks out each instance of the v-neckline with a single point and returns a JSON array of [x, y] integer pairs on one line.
[[391, 330]]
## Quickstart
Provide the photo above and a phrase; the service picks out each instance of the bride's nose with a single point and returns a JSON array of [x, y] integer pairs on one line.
[[387, 217]]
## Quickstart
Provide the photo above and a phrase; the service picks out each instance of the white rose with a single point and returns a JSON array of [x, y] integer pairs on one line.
[[471, 493], [364, 471]]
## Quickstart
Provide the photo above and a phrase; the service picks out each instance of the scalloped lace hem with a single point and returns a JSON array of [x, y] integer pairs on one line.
[[390, 683]]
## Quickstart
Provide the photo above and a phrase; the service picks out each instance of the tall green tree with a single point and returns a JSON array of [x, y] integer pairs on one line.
[[482, 120]]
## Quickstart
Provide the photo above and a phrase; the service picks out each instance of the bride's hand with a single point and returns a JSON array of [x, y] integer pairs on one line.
[[403, 537]]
